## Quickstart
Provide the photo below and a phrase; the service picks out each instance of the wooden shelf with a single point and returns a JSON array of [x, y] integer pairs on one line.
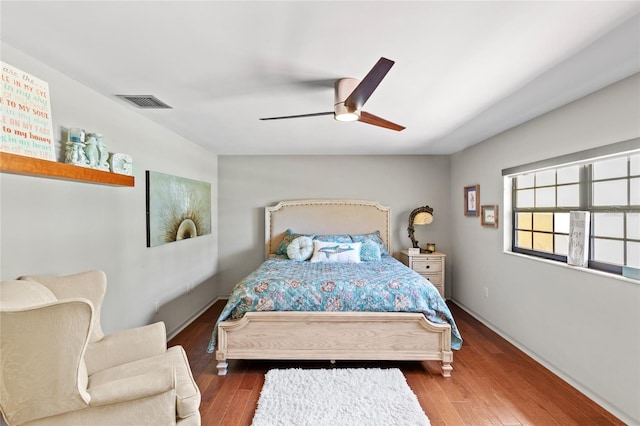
[[21, 165]]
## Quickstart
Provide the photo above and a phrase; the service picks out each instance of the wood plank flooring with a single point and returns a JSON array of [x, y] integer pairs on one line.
[[493, 382]]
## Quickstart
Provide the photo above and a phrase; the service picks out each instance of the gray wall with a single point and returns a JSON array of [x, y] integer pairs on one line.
[[61, 227], [249, 183], [584, 326]]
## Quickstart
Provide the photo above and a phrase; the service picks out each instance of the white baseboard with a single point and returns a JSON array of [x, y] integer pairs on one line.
[[587, 392]]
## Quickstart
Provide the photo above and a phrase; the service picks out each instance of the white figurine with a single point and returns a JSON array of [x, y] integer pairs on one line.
[[74, 154], [91, 150], [103, 163]]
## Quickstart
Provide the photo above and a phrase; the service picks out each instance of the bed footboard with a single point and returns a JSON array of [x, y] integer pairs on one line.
[[334, 336]]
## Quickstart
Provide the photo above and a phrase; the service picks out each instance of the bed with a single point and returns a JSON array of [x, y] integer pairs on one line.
[[273, 314]]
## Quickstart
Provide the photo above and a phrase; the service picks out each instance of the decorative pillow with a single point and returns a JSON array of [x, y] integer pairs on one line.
[[289, 236], [373, 236], [340, 238], [369, 251], [301, 248], [336, 252]]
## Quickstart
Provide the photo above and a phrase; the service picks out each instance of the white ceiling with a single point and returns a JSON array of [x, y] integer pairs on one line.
[[464, 71]]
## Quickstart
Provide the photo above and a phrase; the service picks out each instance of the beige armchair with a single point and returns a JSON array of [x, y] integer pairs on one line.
[[58, 368]]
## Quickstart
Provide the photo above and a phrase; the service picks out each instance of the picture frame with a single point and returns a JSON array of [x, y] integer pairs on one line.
[[177, 208], [489, 215], [471, 200]]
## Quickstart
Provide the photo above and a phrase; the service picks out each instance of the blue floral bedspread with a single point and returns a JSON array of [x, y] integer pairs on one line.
[[280, 284]]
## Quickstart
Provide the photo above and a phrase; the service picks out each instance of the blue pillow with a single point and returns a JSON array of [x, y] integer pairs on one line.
[[339, 238], [369, 251], [372, 236], [289, 236]]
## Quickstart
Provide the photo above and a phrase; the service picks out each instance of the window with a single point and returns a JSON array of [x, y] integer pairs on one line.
[[608, 187]]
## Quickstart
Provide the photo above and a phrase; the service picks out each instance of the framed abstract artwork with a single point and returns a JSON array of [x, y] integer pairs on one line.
[[471, 200], [177, 208]]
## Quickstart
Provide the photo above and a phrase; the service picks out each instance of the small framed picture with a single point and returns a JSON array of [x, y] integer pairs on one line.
[[489, 216], [471, 200]]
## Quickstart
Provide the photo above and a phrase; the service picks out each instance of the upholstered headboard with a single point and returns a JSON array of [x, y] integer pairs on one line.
[[325, 217]]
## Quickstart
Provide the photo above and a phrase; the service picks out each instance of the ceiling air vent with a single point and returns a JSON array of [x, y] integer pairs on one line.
[[145, 101]]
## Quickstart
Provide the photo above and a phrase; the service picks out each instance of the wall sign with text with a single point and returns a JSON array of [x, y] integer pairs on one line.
[[25, 115]]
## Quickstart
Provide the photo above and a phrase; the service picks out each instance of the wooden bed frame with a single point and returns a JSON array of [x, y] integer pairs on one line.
[[332, 335]]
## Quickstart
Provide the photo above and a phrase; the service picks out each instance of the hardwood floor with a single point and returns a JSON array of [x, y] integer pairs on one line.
[[493, 382]]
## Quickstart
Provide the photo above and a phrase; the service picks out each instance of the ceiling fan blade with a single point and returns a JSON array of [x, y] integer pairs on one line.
[[368, 84], [365, 117], [314, 114]]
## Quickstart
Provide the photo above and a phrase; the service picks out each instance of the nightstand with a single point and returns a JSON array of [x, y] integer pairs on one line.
[[429, 265]]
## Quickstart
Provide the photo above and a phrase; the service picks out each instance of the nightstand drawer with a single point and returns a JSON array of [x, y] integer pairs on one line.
[[426, 266], [436, 279]]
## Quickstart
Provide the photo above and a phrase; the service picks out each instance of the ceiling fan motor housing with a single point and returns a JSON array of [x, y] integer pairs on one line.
[[343, 88]]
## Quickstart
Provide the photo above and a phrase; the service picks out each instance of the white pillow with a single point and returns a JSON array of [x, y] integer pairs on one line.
[[335, 252], [300, 248]]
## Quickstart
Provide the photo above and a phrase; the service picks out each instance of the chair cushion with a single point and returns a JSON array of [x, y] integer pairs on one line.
[[187, 392], [17, 294]]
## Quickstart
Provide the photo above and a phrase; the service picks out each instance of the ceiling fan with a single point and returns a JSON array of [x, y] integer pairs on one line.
[[351, 94]]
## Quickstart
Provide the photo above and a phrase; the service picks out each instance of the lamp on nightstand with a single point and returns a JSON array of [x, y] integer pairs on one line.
[[420, 216]]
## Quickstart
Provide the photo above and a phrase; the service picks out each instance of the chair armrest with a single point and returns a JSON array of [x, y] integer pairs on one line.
[[126, 346], [132, 388]]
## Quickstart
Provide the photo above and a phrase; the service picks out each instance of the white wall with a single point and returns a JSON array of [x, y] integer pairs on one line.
[[61, 227], [584, 326], [249, 183]]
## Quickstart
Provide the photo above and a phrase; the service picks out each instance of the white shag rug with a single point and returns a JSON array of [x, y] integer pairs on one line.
[[350, 396]]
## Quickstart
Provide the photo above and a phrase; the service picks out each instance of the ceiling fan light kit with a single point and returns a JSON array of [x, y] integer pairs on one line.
[[350, 95]]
